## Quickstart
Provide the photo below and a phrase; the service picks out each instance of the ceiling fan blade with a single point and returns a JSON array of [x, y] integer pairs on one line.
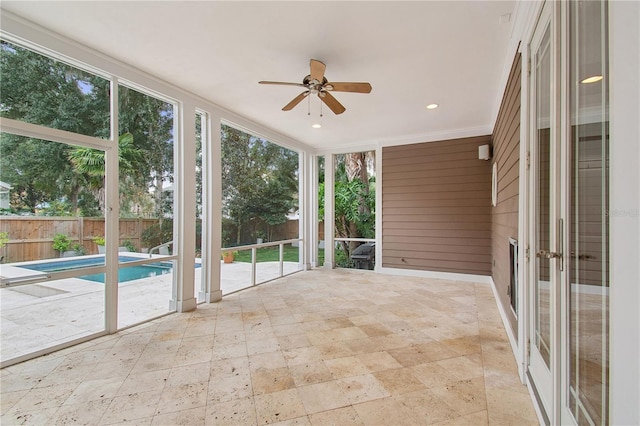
[[348, 87], [295, 101], [331, 102], [317, 70], [282, 83]]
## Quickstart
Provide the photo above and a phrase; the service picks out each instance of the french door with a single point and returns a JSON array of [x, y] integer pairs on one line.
[[568, 213]]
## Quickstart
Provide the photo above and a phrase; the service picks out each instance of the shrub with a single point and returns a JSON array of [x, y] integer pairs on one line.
[[61, 243]]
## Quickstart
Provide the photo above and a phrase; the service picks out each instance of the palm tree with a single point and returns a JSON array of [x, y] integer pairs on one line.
[[91, 163]]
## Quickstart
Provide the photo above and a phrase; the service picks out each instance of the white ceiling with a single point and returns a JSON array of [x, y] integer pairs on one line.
[[453, 53]]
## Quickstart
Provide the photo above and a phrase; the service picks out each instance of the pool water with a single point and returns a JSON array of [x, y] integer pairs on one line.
[[134, 272], [124, 274]]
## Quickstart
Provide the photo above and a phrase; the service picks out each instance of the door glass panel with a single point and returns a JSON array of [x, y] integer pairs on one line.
[[589, 245], [46, 253], [146, 200], [542, 315]]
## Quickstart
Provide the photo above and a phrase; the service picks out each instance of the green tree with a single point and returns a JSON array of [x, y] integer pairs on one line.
[[354, 198], [91, 164], [40, 90], [259, 181]]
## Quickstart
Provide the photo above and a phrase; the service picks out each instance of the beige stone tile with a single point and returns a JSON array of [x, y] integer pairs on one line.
[[157, 361], [92, 390], [131, 407], [229, 367], [479, 418], [510, 408], [426, 406], [267, 360], [84, 413], [373, 330], [362, 388], [39, 398], [298, 421], [464, 397], [231, 350], [293, 341], [303, 355], [229, 387], [190, 417], [271, 380], [399, 381], [346, 367], [338, 416], [144, 382], [334, 350], [278, 406], [307, 374], [235, 412], [385, 411], [464, 345], [228, 338], [322, 397], [288, 329], [188, 374], [463, 367], [182, 397], [111, 369], [9, 399], [378, 361]]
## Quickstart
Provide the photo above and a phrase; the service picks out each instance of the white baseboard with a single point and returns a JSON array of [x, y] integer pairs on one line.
[[483, 279], [505, 322]]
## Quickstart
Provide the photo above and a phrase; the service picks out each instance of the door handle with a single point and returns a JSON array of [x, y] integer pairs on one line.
[[548, 254]]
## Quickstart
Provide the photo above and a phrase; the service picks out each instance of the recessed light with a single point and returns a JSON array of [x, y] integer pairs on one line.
[[432, 106], [592, 79], [316, 125]]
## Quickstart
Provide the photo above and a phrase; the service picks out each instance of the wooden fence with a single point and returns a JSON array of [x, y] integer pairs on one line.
[[31, 238]]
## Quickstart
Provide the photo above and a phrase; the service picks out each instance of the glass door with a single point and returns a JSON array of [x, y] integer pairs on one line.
[[588, 298], [569, 179], [544, 208]]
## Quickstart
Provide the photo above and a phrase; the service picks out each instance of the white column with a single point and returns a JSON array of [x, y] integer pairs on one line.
[[305, 201], [378, 208], [329, 244], [112, 218], [211, 208], [184, 208], [313, 216]]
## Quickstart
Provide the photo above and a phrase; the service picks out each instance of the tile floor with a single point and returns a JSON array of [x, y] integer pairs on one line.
[[314, 348]]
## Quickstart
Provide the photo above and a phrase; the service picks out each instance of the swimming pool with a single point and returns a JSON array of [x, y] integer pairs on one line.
[[124, 274]]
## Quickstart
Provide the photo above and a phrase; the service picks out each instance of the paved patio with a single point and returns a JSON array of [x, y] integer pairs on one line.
[[315, 348], [37, 316]]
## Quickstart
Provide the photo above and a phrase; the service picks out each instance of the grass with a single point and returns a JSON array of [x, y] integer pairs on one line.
[[272, 254]]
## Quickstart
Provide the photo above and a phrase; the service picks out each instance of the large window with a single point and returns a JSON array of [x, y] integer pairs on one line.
[[39, 90], [355, 201], [259, 207]]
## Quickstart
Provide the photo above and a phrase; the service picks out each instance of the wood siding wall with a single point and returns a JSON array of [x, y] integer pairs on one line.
[[436, 207], [504, 216]]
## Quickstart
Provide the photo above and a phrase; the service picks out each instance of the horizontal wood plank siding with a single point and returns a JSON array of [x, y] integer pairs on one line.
[[504, 216], [436, 213]]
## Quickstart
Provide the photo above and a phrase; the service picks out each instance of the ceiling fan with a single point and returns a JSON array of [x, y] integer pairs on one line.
[[317, 83]]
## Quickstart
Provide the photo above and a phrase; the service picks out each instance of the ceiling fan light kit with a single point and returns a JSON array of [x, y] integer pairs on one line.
[[316, 83]]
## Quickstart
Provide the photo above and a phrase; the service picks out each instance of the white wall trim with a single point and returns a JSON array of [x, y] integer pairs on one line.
[[507, 325], [452, 276]]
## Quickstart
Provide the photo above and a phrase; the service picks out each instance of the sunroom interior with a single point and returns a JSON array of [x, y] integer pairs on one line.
[[456, 217]]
